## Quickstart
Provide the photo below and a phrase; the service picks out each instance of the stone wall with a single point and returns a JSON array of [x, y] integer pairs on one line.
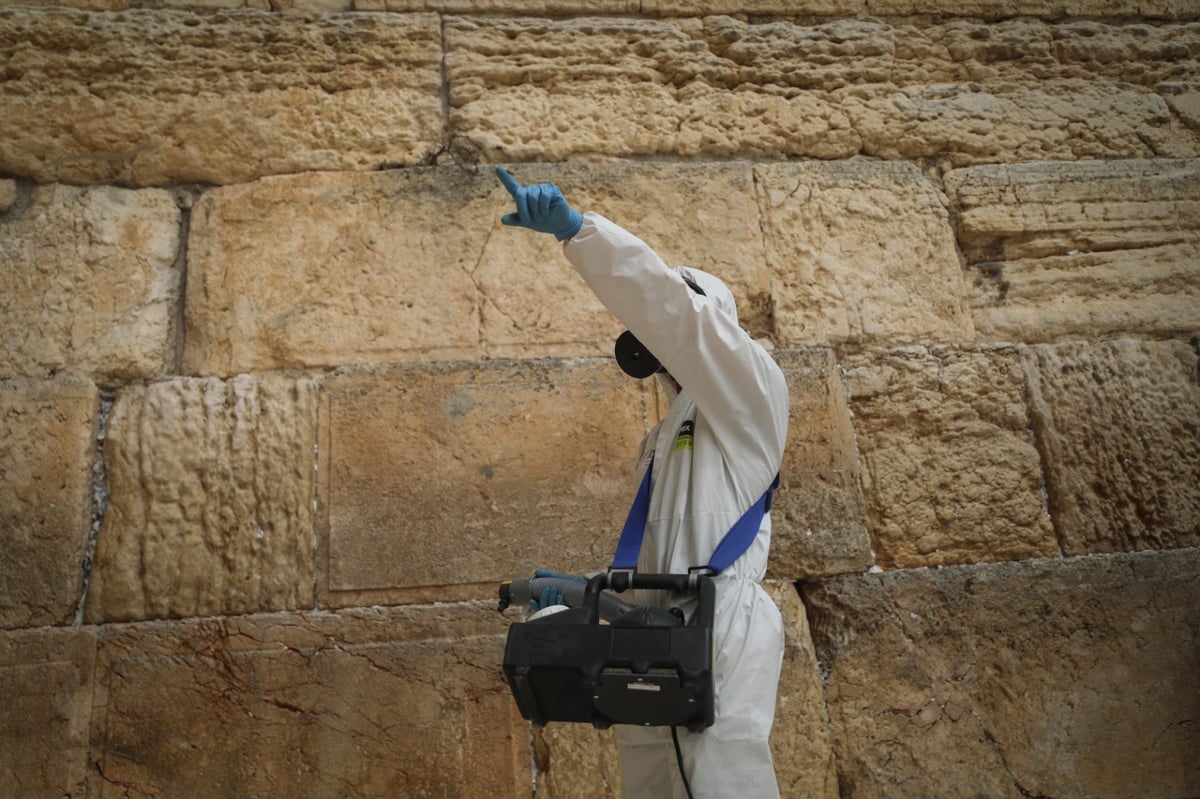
[[281, 401]]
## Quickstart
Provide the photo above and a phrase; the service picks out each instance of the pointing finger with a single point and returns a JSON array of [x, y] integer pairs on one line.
[[508, 180]]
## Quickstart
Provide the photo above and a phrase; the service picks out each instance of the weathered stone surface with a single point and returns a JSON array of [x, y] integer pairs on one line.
[[210, 510], [1068, 678], [577, 762], [574, 761], [1183, 97], [211, 5], [631, 87], [381, 702], [530, 7], [860, 252], [918, 53], [46, 681], [950, 471], [1053, 10], [88, 281], [1091, 248], [716, 85], [442, 480], [993, 9], [155, 97], [703, 216], [8, 194], [1068, 120], [90, 5], [342, 268], [1119, 426], [326, 269], [534, 7], [785, 8], [802, 738], [47, 440], [818, 521]]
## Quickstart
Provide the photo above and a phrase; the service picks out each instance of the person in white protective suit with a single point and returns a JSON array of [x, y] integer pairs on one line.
[[715, 453]]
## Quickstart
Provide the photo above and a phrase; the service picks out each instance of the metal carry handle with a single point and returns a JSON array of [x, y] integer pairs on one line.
[[619, 580]]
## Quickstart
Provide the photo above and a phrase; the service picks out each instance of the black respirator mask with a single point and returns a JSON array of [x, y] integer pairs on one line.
[[633, 358]]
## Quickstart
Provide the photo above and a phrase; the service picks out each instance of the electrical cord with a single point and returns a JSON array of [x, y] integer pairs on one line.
[[679, 759]]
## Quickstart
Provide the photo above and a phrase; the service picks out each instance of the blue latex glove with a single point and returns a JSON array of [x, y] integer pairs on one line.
[[541, 207], [550, 594]]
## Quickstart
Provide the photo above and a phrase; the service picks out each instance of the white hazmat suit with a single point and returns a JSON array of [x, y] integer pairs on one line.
[[715, 453]]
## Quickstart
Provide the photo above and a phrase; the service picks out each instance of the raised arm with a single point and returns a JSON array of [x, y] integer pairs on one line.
[[734, 382]]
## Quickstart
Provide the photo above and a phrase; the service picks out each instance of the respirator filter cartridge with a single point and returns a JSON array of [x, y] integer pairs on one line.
[[634, 359]]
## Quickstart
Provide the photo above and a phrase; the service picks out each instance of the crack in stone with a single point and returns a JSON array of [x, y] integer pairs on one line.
[[99, 499], [480, 293]]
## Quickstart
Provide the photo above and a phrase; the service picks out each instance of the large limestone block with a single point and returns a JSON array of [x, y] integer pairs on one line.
[[333, 268], [381, 702], [151, 97], [783, 8], [1058, 9], [818, 521], [1119, 426], [722, 86], [123, 5], [90, 5], [901, 53], [89, 281], [1089, 248], [1023, 90], [354, 268], [442, 480], [510, 7], [211, 491], [950, 471], [993, 9], [1069, 678], [574, 761], [861, 252], [47, 443], [46, 679], [704, 216], [632, 87], [1055, 120]]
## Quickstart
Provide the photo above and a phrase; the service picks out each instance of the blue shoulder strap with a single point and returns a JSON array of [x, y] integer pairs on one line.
[[735, 542], [630, 543], [741, 535]]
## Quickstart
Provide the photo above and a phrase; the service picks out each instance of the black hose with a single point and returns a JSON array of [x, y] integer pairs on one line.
[[679, 759]]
